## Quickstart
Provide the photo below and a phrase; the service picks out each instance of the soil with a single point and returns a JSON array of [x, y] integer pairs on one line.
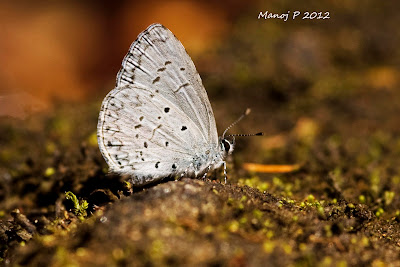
[[331, 107]]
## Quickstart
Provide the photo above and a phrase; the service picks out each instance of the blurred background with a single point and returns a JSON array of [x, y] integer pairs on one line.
[[71, 50], [324, 92], [316, 87]]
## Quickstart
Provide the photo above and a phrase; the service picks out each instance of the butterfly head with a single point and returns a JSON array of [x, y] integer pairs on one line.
[[227, 146]]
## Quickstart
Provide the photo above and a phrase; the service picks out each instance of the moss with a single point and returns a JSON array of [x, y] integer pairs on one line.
[[328, 231], [396, 180], [351, 206], [379, 212], [80, 206], [64, 258], [311, 199], [326, 261], [375, 181], [49, 172], [397, 214], [240, 206], [50, 147], [254, 182], [269, 246], [118, 253], [388, 196], [157, 248], [303, 247], [257, 214], [287, 248], [243, 220], [321, 212], [82, 252], [233, 226], [208, 229], [269, 234]]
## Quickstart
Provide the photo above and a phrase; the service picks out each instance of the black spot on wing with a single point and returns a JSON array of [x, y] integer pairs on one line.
[[182, 86], [109, 143], [156, 80]]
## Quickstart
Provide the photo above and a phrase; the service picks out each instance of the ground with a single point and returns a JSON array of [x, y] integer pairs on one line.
[[339, 208], [327, 103]]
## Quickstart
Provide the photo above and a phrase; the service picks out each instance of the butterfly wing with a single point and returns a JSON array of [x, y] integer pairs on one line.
[[158, 120], [145, 135], [158, 60]]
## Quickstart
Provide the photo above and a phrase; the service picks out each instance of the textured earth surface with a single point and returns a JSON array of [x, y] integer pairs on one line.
[[327, 102], [340, 207]]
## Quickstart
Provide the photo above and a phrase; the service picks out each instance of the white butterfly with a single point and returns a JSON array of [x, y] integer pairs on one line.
[[158, 122]]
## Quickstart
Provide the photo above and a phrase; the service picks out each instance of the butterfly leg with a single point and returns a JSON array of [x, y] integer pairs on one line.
[[180, 176], [205, 174], [224, 163]]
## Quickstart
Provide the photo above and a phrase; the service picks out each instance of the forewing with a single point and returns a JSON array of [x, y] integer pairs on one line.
[[157, 60]]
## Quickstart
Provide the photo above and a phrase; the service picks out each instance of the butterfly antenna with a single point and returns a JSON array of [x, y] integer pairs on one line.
[[256, 134], [247, 112]]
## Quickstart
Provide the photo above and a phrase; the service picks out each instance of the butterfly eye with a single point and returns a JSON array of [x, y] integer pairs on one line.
[[226, 145]]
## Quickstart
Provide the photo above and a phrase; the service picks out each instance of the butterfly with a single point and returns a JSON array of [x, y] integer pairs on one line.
[[158, 122]]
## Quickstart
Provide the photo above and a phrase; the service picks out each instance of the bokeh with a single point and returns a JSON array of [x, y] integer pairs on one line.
[[325, 92]]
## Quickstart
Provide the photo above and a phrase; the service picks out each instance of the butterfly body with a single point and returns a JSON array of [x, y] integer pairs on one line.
[[158, 122]]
